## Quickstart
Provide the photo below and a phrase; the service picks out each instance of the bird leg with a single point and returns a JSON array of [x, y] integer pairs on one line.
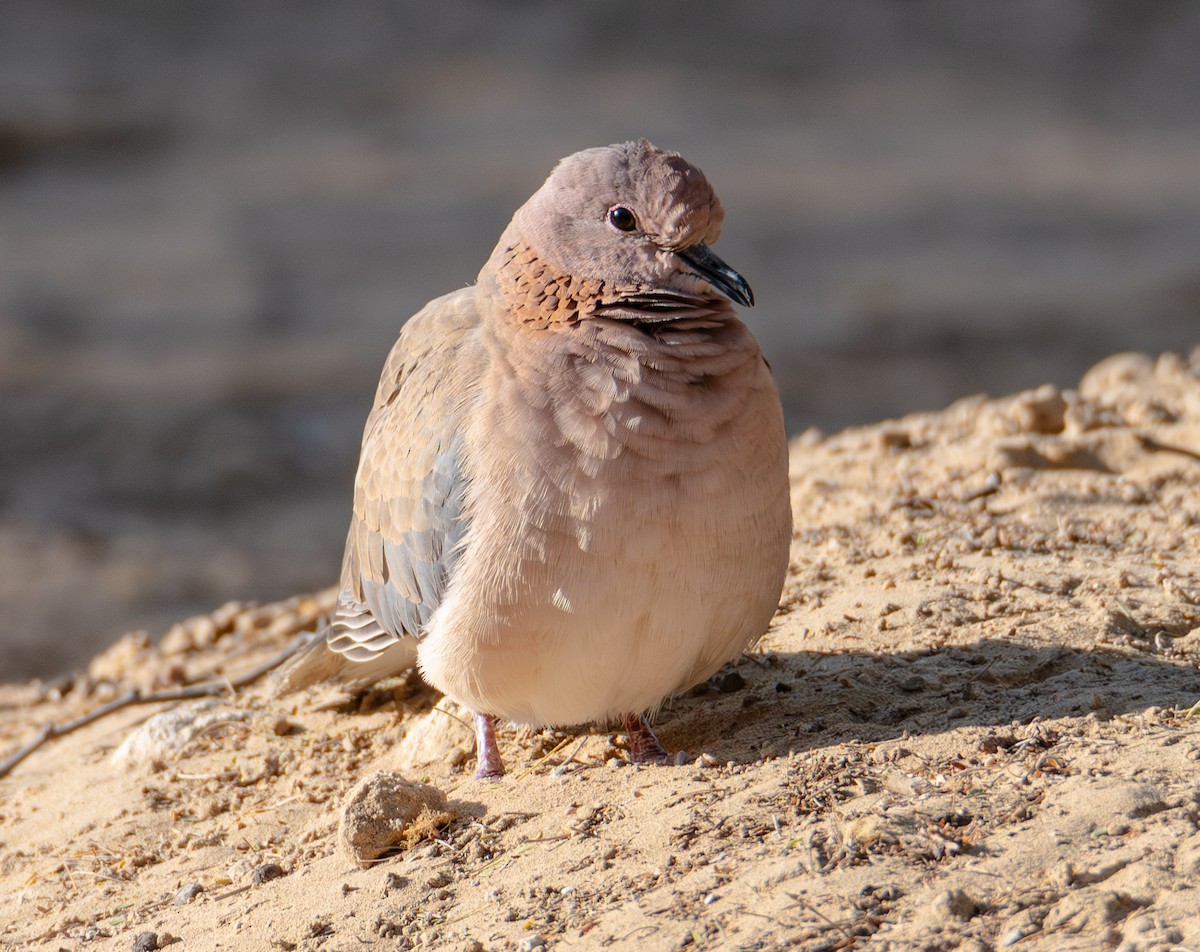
[[491, 767], [644, 747]]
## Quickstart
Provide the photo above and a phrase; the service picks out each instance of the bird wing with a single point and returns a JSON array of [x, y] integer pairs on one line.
[[408, 493], [408, 501]]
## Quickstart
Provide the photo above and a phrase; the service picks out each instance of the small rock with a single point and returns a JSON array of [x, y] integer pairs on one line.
[[955, 904], [378, 810], [267, 872], [532, 942], [145, 942], [166, 733], [1062, 875], [186, 894], [727, 681], [1040, 411]]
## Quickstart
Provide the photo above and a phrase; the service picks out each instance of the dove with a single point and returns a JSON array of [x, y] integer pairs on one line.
[[572, 497]]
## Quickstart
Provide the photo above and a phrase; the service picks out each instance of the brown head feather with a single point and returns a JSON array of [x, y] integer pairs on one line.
[[562, 259]]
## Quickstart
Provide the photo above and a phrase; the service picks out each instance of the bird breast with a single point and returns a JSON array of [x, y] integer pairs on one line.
[[628, 509]]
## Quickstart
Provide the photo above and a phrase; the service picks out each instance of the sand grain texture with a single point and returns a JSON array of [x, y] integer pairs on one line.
[[969, 727]]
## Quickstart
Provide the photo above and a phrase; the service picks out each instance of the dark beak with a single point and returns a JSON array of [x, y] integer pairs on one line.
[[703, 262]]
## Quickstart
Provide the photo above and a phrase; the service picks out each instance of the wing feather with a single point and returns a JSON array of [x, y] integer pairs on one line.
[[408, 517]]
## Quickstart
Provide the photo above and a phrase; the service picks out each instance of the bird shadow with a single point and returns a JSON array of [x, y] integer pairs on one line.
[[780, 702], [784, 702]]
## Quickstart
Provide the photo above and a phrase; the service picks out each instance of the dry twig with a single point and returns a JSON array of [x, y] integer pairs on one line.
[[135, 696]]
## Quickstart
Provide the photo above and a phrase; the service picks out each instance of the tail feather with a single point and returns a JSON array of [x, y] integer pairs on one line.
[[317, 662]]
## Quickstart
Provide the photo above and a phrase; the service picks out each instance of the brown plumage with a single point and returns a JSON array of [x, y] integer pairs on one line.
[[572, 497]]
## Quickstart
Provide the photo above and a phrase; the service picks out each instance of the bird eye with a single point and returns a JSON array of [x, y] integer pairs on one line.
[[621, 218]]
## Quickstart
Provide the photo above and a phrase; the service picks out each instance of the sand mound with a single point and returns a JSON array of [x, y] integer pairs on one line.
[[971, 726]]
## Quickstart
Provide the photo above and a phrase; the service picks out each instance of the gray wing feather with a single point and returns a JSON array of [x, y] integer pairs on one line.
[[409, 519], [417, 564]]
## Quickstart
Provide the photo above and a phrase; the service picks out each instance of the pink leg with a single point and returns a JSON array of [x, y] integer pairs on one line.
[[644, 747], [491, 767]]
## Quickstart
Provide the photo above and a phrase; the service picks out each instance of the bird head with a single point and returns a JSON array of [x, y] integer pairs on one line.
[[634, 224]]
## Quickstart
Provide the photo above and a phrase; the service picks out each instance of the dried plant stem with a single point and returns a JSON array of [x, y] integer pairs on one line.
[[135, 696]]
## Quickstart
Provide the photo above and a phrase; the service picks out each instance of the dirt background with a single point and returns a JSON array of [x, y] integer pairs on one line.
[[972, 725], [214, 218]]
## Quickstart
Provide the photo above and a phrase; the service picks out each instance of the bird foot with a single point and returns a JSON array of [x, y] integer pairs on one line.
[[644, 747], [490, 766]]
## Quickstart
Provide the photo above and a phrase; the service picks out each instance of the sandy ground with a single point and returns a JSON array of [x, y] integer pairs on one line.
[[971, 726]]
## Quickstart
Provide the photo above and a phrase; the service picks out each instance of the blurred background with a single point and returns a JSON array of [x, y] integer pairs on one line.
[[215, 217]]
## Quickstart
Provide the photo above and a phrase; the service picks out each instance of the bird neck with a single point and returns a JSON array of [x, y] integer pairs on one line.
[[537, 295]]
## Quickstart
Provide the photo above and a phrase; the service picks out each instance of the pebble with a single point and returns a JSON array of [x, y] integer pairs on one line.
[[532, 942], [162, 736], [267, 872], [145, 942], [376, 812], [727, 681], [955, 904], [186, 894]]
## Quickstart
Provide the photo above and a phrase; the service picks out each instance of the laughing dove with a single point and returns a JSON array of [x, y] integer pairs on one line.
[[572, 497]]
